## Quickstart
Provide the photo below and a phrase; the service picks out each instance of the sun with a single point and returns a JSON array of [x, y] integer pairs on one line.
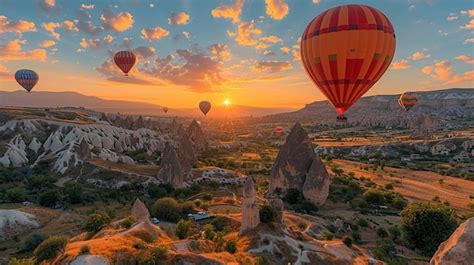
[[226, 102]]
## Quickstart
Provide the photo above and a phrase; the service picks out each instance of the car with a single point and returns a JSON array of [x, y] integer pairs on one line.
[[201, 213], [155, 220]]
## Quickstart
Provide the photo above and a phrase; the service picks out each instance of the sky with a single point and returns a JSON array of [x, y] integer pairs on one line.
[[243, 51]]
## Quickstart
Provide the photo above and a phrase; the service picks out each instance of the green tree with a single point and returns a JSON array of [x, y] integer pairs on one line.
[[374, 196], [184, 228], [50, 248], [381, 232], [16, 194], [293, 196], [347, 241], [33, 241], [426, 225], [231, 246], [166, 208], [95, 222], [209, 231], [73, 193], [267, 214], [49, 198]]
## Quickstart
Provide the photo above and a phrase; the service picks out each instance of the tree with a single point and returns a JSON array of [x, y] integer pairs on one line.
[[96, 222], [374, 196], [16, 194], [267, 214], [441, 181], [347, 241], [231, 246], [49, 198], [293, 196], [50, 248], [184, 228], [209, 231], [33, 241], [388, 186], [73, 193], [167, 208], [381, 232], [426, 225]]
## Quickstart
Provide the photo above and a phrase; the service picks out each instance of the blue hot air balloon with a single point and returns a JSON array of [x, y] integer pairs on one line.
[[26, 78]]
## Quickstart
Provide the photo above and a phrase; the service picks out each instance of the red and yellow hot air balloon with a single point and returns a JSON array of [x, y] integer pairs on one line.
[[345, 50], [278, 129], [407, 101], [125, 60]]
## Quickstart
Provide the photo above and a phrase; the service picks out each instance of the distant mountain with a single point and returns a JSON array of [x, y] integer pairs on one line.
[[448, 106], [74, 99]]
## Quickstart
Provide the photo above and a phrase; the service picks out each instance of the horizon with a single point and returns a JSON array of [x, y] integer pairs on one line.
[[254, 49]]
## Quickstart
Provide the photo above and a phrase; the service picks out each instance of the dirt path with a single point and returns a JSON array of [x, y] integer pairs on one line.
[[417, 185]]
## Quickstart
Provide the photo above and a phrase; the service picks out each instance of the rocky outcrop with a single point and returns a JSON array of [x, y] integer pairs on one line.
[[186, 154], [84, 150], [171, 171], [140, 211], [140, 123], [196, 135], [459, 248], [250, 208], [278, 207], [298, 167]]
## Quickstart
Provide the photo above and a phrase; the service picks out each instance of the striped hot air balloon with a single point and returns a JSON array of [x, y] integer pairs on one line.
[[407, 101], [345, 50], [27, 78], [205, 107], [125, 60]]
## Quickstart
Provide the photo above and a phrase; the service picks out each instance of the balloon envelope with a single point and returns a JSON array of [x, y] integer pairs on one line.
[[407, 101], [345, 50], [125, 60], [165, 110], [279, 129], [205, 106], [27, 78]]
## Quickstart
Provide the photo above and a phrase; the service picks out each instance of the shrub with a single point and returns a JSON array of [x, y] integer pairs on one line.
[[27, 261], [209, 231], [49, 198], [220, 223], [96, 222], [381, 232], [374, 196], [128, 222], [85, 249], [207, 197], [167, 208], [388, 186], [395, 233], [184, 228], [293, 196], [347, 241], [74, 193], [399, 203], [50, 248], [145, 236], [305, 206], [301, 225], [231, 246], [426, 225], [160, 254], [362, 222], [359, 203], [33, 241], [267, 214], [16, 194], [139, 245], [356, 236], [328, 235]]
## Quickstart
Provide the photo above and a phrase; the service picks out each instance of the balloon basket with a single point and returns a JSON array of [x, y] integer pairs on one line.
[[341, 118]]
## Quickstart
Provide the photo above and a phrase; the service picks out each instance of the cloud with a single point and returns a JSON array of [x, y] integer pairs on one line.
[[246, 34], [465, 77], [112, 73], [153, 34], [411, 7], [271, 39], [4, 73], [427, 69], [285, 49], [229, 11], [469, 12], [465, 58], [127, 42], [48, 5], [441, 70], [96, 43], [419, 55], [316, 1], [185, 34], [85, 24], [401, 65], [271, 66], [84, 6], [144, 52], [17, 26], [469, 25], [451, 18], [51, 27], [470, 40], [277, 9], [181, 18], [268, 53], [47, 43], [12, 51], [119, 22], [220, 51]]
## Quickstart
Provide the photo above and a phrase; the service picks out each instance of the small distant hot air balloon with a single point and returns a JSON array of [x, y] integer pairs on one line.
[[205, 107], [125, 61], [165, 110], [345, 50], [26, 78], [407, 101], [279, 129]]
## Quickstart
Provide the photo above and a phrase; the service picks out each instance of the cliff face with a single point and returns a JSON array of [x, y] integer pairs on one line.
[[250, 208]]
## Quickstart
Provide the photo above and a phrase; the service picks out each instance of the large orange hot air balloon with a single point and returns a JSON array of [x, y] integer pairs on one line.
[[345, 50], [407, 101], [125, 61], [165, 110], [205, 107]]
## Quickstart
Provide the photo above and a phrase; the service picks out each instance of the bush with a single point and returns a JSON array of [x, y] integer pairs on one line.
[[399, 203], [209, 231], [395, 233], [50, 248], [145, 236], [27, 261], [156, 191], [374, 196], [220, 223], [74, 193], [293, 196], [231, 246], [347, 241], [167, 208], [95, 222], [301, 225], [184, 228], [85, 249], [381, 232], [128, 222], [207, 197], [388, 186], [49, 198], [160, 254], [328, 235], [267, 214], [426, 225], [359, 203], [16, 194], [362, 222], [356, 236], [33, 241], [305, 206]]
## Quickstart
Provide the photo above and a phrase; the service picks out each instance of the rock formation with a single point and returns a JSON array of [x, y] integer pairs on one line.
[[170, 168], [140, 123], [186, 154], [140, 211], [459, 248], [84, 151], [250, 208], [298, 167], [278, 207], [196, 135]]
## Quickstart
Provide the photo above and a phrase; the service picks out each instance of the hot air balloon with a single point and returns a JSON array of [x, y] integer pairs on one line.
[[165, 110], [125, 61], [345, 50], [279, 129], [26, 78], [205, 106], [407, 101]]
